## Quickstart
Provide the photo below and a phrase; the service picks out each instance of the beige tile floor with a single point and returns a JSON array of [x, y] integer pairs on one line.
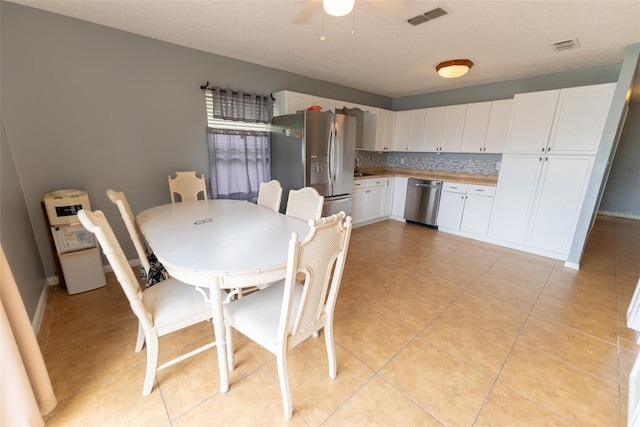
[[431, 329]]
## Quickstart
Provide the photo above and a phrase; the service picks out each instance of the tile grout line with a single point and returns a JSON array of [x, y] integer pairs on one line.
[[511, 350]]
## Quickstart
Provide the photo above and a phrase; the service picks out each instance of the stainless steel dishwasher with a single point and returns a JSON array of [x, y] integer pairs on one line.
[[423, 201]]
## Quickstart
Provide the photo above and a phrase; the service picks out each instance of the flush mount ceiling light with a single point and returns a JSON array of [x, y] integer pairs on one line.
[[454, 68], [338, 7]]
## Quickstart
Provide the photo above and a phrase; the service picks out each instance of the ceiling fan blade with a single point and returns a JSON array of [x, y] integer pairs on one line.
[[306, 11]]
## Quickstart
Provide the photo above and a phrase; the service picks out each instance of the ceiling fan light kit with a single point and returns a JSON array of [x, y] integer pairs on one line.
[[454, 68], [338, 7]]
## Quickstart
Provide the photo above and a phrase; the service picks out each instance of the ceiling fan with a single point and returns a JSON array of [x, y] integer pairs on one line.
[[310, 8]]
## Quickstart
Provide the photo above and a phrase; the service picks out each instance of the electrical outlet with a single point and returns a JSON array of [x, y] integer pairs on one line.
[[497, 166], [402, 160]]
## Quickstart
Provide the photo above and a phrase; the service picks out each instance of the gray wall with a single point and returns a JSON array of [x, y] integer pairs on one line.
[[506, 89], [622, 194], [16, 233], [603, 164], [89, 107], [93, 108]]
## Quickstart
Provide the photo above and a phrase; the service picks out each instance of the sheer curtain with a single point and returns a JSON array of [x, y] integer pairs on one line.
[[238, 151], [239, 162]]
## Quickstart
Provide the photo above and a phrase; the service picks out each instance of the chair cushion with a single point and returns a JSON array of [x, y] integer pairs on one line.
[[257, 315], [175, 305]]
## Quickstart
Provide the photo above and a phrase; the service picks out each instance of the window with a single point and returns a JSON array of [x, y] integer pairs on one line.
[[238, 141]]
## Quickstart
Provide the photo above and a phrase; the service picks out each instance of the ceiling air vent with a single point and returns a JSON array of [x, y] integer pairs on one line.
[[427, 16], [565, 45]]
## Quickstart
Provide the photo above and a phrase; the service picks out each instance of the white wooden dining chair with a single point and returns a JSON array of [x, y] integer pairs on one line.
[[120, 200], [270, 195], [166, 307], [188, 185], [305, 204], [288, 312]]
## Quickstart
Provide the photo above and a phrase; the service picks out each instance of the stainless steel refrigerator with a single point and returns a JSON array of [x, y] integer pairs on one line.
[[315, 149]]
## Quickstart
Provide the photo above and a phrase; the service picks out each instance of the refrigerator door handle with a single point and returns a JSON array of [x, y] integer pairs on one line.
[[332, 163], [337, 150]]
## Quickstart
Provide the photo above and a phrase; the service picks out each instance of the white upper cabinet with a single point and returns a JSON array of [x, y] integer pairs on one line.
[[579, 119], [345, 104], [381, 141], [416, 129], [432, 134], [566, 121], [326, 103], [452, 128], [531, 121], [288, 102], [390, 129], [498, 126], [401, 131], [475, 127]]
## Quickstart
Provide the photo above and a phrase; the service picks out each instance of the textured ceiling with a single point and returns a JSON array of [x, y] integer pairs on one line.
[[505, 39]]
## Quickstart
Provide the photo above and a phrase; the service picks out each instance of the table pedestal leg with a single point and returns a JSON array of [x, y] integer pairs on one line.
[[219, 330]]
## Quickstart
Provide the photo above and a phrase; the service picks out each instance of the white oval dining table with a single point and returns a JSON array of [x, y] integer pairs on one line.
[[220, 244]]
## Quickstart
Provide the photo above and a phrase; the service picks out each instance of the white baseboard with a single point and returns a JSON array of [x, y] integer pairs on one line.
[[53, 281], [507, 244], [626, 214], [36, 322], [572, 265]]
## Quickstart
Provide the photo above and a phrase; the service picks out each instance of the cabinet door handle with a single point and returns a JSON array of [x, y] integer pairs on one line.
[[540, 158], [546, 159], [543, 149], [548, 149]]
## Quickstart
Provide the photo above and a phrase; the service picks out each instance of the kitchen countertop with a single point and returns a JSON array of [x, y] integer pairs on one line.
[[467, 178]]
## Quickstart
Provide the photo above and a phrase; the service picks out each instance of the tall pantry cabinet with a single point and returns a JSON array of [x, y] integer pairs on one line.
[[552, 143]]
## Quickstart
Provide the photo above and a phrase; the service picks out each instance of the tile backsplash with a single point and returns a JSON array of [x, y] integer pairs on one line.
[[482, 164]]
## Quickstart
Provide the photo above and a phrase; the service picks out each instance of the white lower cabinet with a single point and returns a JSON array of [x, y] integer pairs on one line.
[[465, 207], [399, 197], [368, 199], [563, 184], [477, 213], [387, 205], [451, 205], [358, 203], [538, 201], [519, 174]]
